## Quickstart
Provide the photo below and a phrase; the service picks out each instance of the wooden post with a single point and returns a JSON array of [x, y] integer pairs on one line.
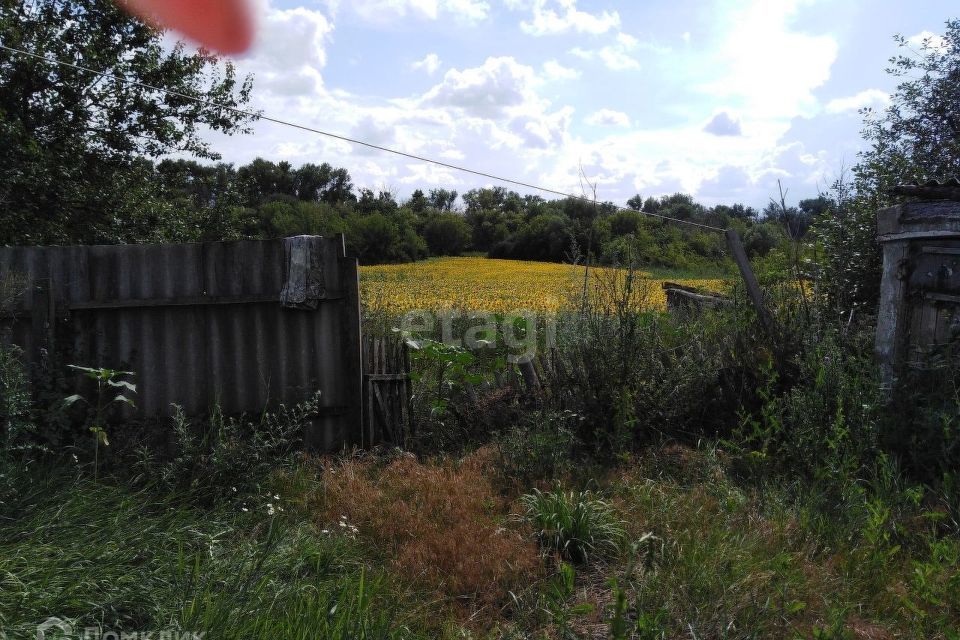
[[352, 340], [750, 280]]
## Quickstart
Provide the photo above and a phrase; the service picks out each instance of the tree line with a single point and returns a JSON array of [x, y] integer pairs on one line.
[[185, 200]]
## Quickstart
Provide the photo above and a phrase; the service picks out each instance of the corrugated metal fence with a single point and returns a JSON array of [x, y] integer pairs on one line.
[[245, 324]]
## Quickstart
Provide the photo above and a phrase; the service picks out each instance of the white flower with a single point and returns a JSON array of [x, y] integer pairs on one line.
[[244, 509]]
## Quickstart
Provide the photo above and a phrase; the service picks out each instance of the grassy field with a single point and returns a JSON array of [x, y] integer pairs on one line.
[[499, 286]]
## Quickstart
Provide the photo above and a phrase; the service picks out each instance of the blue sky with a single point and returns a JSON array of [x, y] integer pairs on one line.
[[716, 98]]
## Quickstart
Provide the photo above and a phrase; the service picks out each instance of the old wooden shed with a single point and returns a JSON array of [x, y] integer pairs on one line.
[[919, 314]]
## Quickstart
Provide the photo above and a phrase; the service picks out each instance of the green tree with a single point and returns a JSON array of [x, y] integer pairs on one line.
[[917, 136], [72, 141], [447, 234]]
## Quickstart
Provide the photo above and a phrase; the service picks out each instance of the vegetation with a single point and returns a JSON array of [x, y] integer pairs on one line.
[[694, 475], [76, 167], [497, 286]]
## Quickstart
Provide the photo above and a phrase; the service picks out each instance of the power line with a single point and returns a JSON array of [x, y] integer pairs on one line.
[[294, 125]]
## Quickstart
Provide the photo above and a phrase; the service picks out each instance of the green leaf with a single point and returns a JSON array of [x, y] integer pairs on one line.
[[124, 384], [69, 400], [122, 398]]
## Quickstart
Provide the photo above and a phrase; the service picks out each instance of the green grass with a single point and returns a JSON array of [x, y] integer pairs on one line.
[[576, 524], [104, 556], [678, 548]]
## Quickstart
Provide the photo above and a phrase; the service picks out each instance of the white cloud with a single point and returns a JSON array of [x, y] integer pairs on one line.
[[615, 56], [553, 17], [723, 124], [766, 67], [290, 51], [553, 70], [866, 98], [608, 118], [499, 101], [430, 63], [386, 11], [487, 91], [928, 40]]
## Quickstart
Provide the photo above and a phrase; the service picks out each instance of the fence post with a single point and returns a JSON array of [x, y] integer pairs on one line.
[[353, 343], [750, 280]]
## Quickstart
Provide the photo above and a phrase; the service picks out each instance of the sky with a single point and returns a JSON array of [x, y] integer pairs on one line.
[[716, 98]]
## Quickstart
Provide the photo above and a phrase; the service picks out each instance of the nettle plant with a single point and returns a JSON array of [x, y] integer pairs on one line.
[[112, 389], [451, 368]]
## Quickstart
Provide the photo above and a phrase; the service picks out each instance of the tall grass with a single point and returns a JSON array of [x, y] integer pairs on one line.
[[106, 557], [575, 524]]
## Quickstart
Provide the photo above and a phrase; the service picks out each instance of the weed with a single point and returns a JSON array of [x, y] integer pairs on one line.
[[17, 425], [575, 524], [109, 381], [541, 451]]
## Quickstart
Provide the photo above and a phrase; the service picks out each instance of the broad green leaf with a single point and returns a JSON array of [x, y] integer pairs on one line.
[[124, 384], [69, 400]]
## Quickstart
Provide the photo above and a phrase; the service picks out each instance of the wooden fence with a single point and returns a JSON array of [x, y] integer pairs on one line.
[[386, 391], [245, 325]]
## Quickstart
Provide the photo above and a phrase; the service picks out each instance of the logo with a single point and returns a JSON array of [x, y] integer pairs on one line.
[[54, 629]]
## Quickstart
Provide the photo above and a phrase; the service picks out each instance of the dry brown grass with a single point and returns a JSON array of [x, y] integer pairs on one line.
[[441, 525]]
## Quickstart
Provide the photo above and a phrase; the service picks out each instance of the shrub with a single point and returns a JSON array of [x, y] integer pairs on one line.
[[17, 426], [539, 451], [224, 455], [447, 234], [575, 524], [637, 376]]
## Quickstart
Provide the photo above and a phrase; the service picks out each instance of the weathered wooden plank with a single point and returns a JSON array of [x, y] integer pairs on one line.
[[750, 280]]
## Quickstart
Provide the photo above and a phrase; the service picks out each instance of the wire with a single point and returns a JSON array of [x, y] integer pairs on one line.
[[294, 125]]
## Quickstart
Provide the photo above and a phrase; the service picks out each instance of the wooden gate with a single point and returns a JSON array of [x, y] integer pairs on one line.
[[386, 392]]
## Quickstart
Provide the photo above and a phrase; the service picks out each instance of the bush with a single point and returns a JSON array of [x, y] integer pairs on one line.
[[447, 234], [541, 451], [224, 455], [637, 376], [575, 524], [17, 426]]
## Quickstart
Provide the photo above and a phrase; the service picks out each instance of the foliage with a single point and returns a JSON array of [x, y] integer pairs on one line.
[[161, 566], [824, 426], [109, 381], [917, 136], [635, 375], [542, 450], [223, 455], [17, 422], [73, 170], [577, 525], [447, 234]]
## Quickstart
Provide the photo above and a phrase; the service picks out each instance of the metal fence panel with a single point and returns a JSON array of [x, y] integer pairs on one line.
[[200, 324]]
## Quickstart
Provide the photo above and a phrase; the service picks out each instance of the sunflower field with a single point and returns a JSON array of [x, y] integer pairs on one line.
[[497, 286]]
